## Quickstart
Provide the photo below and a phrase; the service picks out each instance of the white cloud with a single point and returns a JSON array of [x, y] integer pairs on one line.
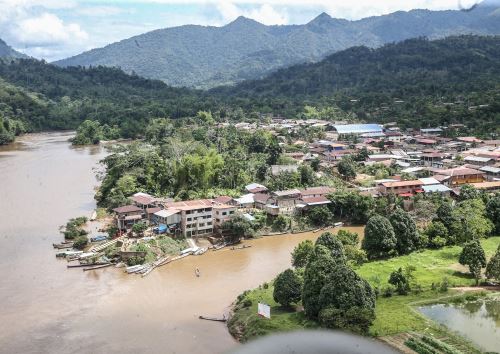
[[264, 13], [101, 11], [47, 29]]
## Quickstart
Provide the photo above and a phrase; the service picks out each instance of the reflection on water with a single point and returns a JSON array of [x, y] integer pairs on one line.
[[46, 308], [477, 320]]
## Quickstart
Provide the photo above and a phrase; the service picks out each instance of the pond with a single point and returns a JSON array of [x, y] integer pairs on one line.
[[478, 321]]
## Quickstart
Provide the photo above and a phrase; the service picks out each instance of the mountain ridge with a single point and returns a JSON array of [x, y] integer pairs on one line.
[[207, 56], [7, 51]]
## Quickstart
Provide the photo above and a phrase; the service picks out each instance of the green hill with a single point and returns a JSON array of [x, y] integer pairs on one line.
[[7, 52], [417, 81]]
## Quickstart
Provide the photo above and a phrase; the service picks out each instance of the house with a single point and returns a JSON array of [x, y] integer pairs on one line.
[[127, 216], [437, 188], [491, 186], [277, 169], [492, 173], [393, 136], [222, 213], [432, 159], [479, 161], [246, 201], [311, 202], [316, 192], [255, 188], [283, 202], [223, 199], [402, 188], [143, 200], [260, 200], [462, 175], [170, 217], [431, 131], [196, 216]]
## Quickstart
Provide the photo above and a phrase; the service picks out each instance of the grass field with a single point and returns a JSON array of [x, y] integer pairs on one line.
[[394, 314]]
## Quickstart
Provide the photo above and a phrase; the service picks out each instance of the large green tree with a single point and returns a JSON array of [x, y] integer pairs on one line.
[[301, 253], [493, 211], [493, 267], [473, 256], [287, 288], [380, 240], [347, 301], [405, 230]]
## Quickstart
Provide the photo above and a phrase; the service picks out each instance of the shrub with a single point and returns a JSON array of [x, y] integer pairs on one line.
[[80, 242]]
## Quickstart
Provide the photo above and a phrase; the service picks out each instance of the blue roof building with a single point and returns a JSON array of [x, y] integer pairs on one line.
[[358, 129]]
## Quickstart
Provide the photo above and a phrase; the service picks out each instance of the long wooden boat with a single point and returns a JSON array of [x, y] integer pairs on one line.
[[98, 267], [62, 245], [86, 265], [207, 318]]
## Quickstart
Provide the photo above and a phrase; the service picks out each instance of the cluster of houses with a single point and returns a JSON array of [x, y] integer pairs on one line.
[[435, 164], [204, 217]]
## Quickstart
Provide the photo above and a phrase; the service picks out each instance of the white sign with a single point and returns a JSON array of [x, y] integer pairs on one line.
[[264, 310]]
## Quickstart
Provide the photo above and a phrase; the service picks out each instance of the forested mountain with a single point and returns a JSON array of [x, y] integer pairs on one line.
[[42, 96], [418, 81], [203, 57], [7, 52]]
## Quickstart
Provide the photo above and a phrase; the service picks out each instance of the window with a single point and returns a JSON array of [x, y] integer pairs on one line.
[[224, 213], [209, 223], [189, 219], [231, 212]]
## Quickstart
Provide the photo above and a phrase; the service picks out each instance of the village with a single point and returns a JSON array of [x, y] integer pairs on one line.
[[151, 231]]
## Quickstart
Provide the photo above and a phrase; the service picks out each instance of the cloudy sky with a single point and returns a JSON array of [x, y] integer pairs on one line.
[[55, 29]]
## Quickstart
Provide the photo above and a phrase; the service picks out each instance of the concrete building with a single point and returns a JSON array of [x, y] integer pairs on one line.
[[196, 216], [402, 188], [222, 213]]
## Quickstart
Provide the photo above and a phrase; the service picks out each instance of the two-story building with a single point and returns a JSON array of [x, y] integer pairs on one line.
[[222, 213], [461, 175], [126, 216], [402, 188], [283, 202]]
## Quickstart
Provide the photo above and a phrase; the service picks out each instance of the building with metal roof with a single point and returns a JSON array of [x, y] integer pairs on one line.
[[357, 129]]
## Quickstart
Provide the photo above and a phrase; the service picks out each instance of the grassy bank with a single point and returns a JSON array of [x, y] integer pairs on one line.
[[394, 314]]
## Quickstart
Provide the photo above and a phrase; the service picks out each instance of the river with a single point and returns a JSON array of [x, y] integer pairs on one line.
[[46, 308]]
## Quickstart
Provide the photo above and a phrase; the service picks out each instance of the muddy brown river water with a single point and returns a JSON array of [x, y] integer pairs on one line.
[[45, 308]]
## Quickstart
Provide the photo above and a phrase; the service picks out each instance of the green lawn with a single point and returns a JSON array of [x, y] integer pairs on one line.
[[432, 266], [394, 314]]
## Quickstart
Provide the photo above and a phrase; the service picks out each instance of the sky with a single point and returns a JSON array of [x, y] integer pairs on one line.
[[56, 29]]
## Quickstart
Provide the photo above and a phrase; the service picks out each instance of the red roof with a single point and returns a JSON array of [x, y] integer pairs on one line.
[[223, 199]]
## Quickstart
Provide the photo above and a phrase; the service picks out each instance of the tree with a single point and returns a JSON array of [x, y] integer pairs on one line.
[[493, 267], [328, 240], [89, 132], [274, 151], [380, 240], [306, 175], [158, 130], [139, 228], [468, 192], [301, 253], [316, 274], [287, 288], [471, 220], [445, 215], [473, 256], [437, 235], [405, 230], [315, 164], [319, 216], [347, 168], [280, 223], [353, 206], [493, 211], [205, 117], [399, 279], [348, 238], [238, 227], [344, 292]]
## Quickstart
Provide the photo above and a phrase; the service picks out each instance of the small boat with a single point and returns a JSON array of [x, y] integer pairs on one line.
[[188, 251], [93, 216], [218, 247], [200, 251], [240, 247], [62, 245], [338, 224], [134, 268], [86, 265], [68, 253], [98, 238], [207, 318]]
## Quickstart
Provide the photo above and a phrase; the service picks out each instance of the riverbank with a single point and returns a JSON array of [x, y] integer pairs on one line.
[[394, 315]]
